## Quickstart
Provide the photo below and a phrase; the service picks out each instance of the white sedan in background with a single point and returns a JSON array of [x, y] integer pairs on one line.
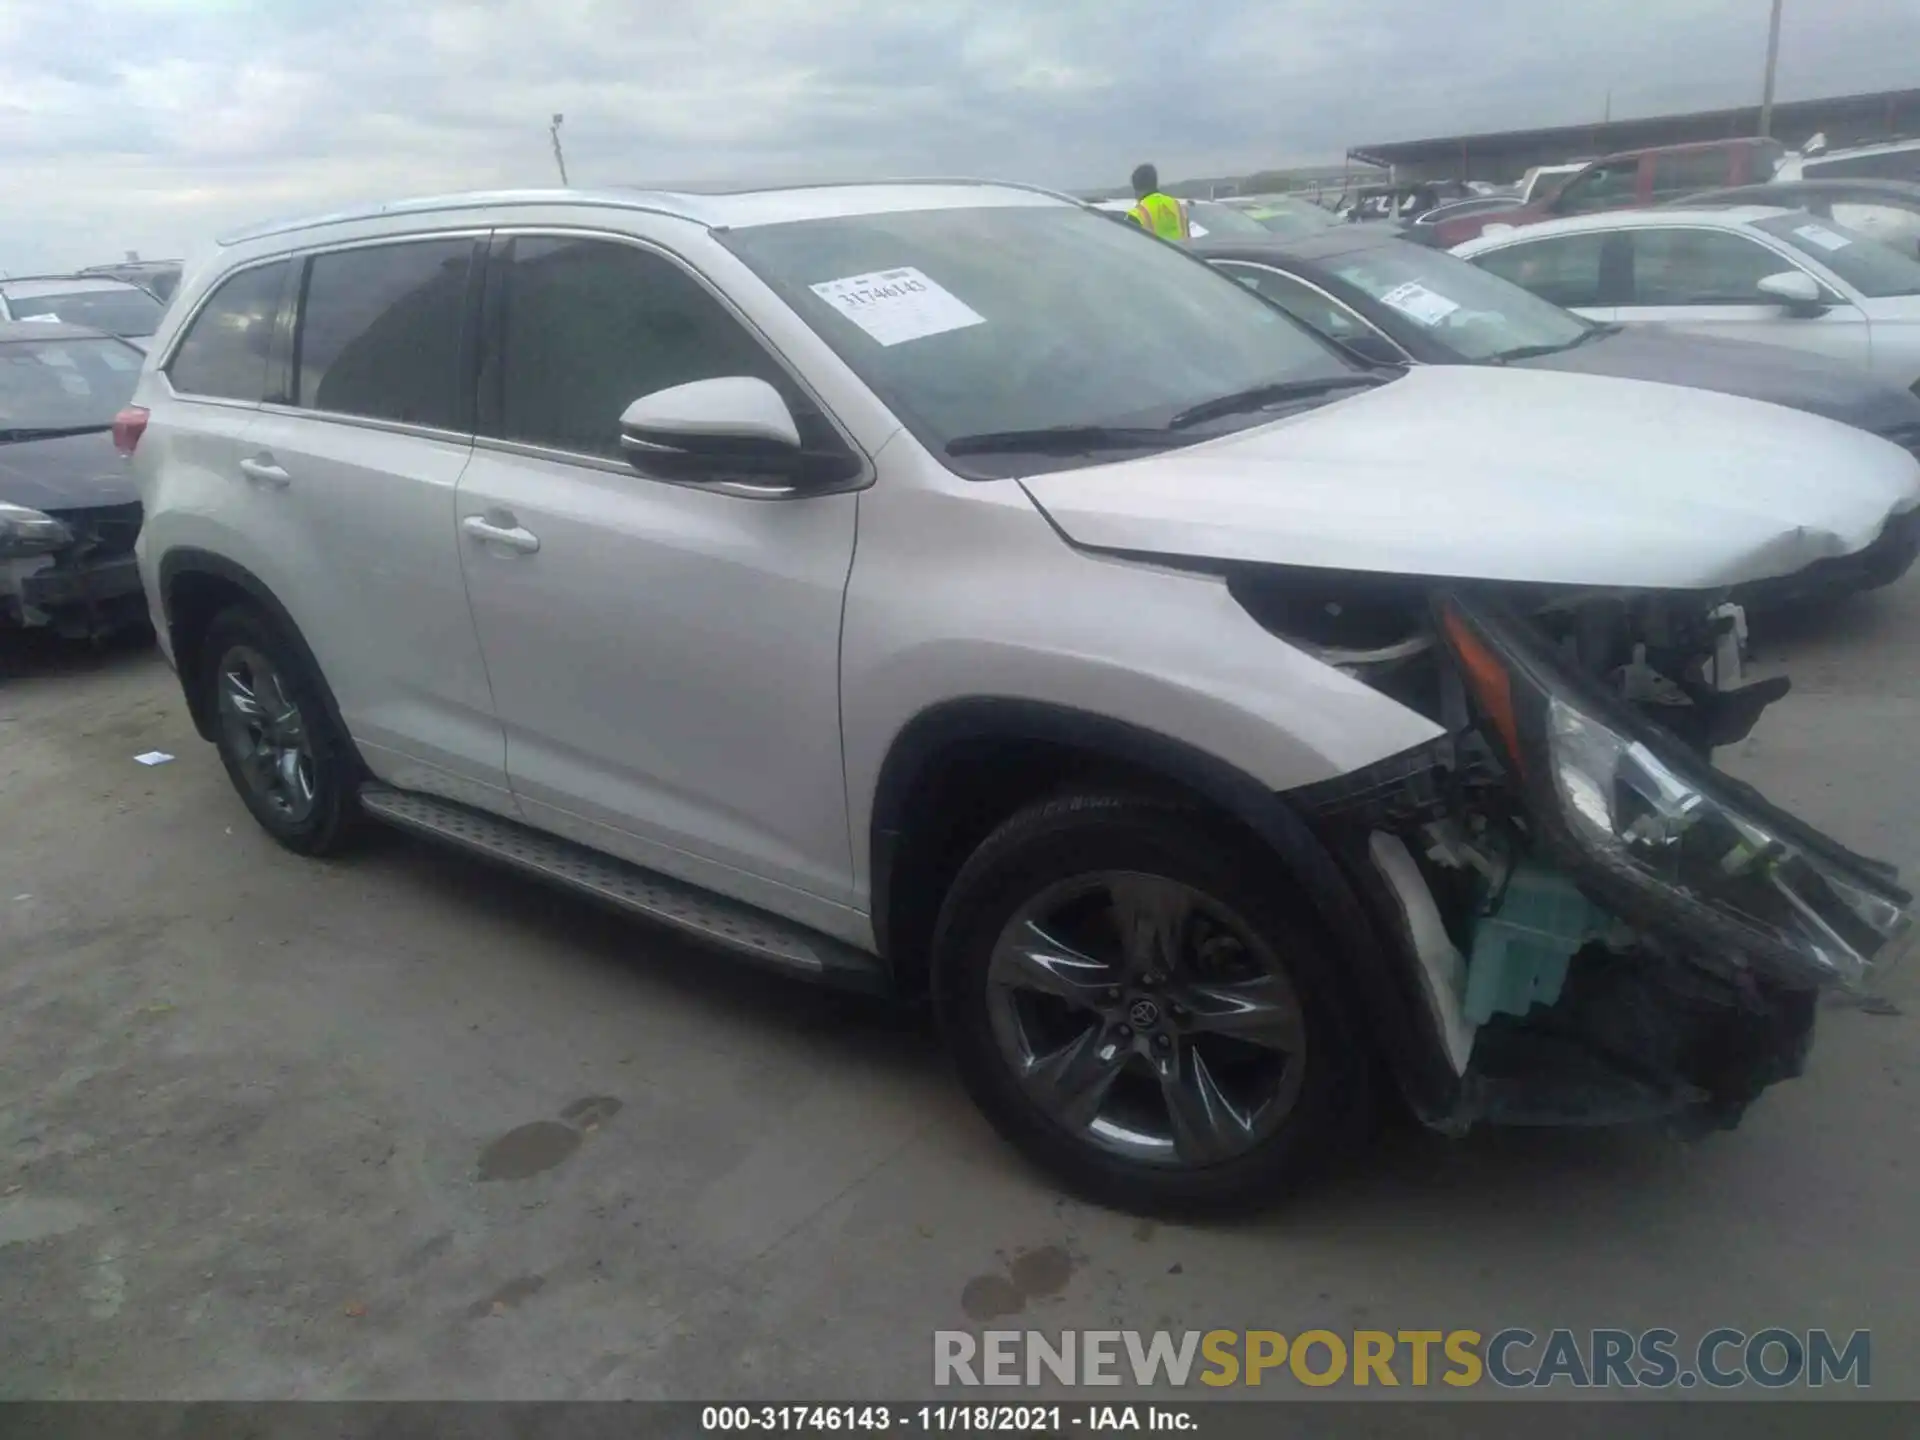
[[1753, 273]]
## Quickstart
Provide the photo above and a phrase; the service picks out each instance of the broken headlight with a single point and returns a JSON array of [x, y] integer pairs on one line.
[[1660, 836]]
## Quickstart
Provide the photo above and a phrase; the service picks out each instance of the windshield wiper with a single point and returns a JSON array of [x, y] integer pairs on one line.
[[1528, 352], [1059, 440], [50, 432], [1261, 396]]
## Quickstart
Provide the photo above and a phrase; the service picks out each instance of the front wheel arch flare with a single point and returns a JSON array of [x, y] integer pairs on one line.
[[1382, 978]]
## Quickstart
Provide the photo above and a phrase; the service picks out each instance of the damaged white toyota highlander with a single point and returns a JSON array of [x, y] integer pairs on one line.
[[939, 589]]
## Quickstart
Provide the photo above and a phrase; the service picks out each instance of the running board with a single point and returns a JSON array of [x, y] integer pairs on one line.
[[747, 931]]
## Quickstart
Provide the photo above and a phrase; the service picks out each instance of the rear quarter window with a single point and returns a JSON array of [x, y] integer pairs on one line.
[[228, 344]]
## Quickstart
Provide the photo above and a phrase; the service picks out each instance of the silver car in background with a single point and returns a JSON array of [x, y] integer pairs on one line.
[[1749, 273]]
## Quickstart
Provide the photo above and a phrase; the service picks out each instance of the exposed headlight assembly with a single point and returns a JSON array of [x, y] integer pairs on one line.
[[1661, 837], [29, 532]]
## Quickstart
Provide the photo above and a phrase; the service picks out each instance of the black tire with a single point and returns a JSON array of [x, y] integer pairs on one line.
[[1051, 843], [329, 821]]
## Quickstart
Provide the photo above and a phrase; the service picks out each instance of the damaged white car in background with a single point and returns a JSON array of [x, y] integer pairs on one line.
[[982, 600]]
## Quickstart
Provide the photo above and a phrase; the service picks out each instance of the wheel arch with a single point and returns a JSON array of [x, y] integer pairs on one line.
[[196, 585], [992, 755]]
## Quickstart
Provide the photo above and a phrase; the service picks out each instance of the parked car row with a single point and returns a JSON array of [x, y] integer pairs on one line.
[[1215, 722], [1397, 303], [1751, 272], [1691, 290], [1664, 174]]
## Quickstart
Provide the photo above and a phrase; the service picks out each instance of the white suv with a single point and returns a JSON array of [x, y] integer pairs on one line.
[[942, 589]]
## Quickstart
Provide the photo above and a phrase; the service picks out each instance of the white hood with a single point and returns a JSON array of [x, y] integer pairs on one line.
[[1474, 472]]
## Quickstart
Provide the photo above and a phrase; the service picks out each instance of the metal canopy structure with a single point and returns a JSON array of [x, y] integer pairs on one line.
[[1503, 155]]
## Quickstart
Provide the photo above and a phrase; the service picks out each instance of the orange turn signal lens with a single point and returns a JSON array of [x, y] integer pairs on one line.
[[1488, 680]]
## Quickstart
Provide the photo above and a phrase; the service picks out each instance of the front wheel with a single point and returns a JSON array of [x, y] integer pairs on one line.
[[281, 749], [1134, 1004]]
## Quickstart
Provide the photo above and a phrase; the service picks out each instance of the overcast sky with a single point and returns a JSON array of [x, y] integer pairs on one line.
[[155, 124]]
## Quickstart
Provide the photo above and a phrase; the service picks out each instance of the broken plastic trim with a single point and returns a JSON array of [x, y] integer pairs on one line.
[[1721, 872]]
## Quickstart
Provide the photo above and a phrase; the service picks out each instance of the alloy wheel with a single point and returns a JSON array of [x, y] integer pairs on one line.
[[1148, 1018], [266, 734]]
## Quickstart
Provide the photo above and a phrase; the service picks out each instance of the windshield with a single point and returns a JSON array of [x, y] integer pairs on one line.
[[1867, 265], [995, 319], [1474, 313], [64, 384], [118, 311], [1205, 217]]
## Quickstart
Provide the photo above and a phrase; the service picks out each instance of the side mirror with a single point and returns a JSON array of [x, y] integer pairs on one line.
[[734, 415], [734, 433], [1798, 291]]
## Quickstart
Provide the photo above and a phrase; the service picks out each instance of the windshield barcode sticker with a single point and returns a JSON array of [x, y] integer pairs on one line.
[[894, 306], [1821, 236], [1417, 302]]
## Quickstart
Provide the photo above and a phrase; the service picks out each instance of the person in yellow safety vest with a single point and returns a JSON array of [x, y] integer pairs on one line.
[[1153, 212]]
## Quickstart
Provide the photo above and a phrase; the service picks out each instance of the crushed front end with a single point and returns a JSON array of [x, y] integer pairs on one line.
[[71, 570], [1597, 924]]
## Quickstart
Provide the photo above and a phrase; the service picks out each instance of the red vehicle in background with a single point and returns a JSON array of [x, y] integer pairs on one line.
[[1631, 179]]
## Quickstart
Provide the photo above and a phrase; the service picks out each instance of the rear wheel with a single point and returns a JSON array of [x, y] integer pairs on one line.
[[1135, 1006], [292, 767]]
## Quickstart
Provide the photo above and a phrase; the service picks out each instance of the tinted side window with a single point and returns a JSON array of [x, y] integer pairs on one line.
[[1688, 172], [1604, 187], [226, 349], [1564, 269], [1699, 267], [586, 327], [380, 332]]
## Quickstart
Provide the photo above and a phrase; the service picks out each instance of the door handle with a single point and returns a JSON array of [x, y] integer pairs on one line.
[[514, 537], [265, 472]]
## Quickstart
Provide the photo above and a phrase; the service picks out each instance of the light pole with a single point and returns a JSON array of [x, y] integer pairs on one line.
[[561, 160], [1773, 57]]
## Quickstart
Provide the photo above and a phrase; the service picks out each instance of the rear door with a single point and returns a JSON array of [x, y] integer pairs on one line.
[[1706, 281], [354, 466]]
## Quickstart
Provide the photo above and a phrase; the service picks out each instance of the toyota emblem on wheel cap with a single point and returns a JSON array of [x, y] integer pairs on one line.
[[1144, 1013]]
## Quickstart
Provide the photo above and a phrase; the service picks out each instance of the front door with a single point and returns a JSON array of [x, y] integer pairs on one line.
[[664, 658], [1706, 281]]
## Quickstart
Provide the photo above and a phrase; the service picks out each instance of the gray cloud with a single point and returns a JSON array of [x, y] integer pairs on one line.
[[153, 124]]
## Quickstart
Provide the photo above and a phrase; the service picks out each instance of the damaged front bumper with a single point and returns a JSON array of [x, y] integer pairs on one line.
[[1599, 925], [84, 590]]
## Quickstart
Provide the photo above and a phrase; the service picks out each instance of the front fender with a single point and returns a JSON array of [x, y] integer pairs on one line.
[[969, 594]]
